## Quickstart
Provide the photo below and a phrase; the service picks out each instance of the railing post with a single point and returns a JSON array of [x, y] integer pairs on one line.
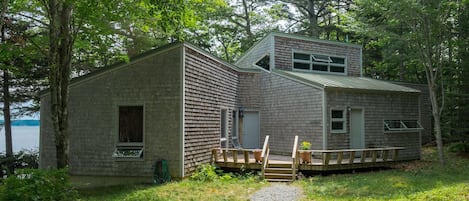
[[265, 155], [235, 156], [294, 158]]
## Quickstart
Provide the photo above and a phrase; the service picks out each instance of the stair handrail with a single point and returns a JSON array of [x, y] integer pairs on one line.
[[294, 156], [265, 155]]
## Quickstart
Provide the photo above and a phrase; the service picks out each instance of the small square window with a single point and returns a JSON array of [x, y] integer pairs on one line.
[[338, 121]]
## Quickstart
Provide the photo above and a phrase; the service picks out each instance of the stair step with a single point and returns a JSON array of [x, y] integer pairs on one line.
[[279, 170], [279, 165], [277, 176], [279, 180]]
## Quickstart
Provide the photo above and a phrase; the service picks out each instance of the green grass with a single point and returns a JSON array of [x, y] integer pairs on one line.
[[232, 189], [421, 180]]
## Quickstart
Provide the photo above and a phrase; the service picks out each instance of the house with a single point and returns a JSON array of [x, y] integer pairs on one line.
[[179, 102]]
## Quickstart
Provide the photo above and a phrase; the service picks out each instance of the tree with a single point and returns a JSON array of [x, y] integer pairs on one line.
[[67, 20]]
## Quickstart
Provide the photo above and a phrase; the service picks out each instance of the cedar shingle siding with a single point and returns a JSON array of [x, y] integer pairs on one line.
[[153, 82], [284, 48], [183, 89], [209, 87], [377, 107]]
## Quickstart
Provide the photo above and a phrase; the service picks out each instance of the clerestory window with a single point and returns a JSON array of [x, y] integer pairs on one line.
[[319, 63], [401, 125]]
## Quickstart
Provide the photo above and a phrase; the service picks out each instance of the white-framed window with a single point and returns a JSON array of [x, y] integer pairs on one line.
[[130, 139], [224, 128], [401, 125], [319, 63], [338, 121]]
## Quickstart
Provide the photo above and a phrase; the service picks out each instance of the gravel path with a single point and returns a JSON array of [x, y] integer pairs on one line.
[[277, 192]]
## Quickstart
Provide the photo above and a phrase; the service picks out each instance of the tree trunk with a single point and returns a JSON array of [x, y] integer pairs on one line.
[[6, 88], [437, 120], [6, 113], [60, 54], [313, 20]]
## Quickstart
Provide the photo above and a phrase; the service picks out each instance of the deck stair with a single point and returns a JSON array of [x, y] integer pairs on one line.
[[279, 172]]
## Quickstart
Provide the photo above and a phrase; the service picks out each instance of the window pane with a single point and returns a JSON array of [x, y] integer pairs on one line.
[[337, 125], [264, 63], [223, 123], [131, 124], [394, 124], [337, 69], [338, 60], [322, 58], [320, 67], [301, 56], [411, 124], [301, 66], [337, 114]]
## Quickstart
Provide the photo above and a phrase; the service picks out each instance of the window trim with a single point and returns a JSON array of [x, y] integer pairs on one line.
[[259, 59], [224, 138], [343, 120], [312, 60], [129, 145], [404, 127]]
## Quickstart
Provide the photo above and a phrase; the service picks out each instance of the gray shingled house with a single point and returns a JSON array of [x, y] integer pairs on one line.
[[179, 102]]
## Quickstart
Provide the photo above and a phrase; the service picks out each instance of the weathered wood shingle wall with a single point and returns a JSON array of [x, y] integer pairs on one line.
[[290, 108], [155, 83], [426, 116], [257, 52], [284, 48], [377, 107], [209, 87]]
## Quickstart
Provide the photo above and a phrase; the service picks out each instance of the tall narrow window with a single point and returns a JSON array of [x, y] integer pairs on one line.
[[224, 128], [130, 143], [338, 121], [131, 124]]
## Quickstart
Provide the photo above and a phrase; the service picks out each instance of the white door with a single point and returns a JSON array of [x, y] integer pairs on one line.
[[357, 129], [251, 131]]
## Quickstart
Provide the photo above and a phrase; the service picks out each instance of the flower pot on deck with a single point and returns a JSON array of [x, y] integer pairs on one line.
[[305, 156], [257, 155]]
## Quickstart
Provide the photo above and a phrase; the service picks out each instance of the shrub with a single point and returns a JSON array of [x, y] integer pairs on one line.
[[33, 184], [459, 147], [21, 160], [204, 173]]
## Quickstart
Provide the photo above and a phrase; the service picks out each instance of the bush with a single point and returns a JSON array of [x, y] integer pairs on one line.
[[23, 159], [35, 185], [205, 173], [459, 147]]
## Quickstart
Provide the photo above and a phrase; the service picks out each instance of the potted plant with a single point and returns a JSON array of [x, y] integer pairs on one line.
[[305, 152], [257, 154]]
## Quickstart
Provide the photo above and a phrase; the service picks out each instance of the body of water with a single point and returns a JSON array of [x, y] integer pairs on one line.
[[24, 137]]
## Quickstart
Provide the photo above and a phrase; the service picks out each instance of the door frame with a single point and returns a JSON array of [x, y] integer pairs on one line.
[[362, 125], [242, 134]]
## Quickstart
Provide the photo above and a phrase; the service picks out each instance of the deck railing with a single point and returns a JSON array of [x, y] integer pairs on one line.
[[369, 155], [265, 155], [294, 157]]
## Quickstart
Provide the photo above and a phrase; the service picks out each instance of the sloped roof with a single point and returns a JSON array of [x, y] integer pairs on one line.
[[345, 82]]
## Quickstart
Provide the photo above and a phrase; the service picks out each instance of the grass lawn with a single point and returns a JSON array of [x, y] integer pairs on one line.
[[233, 189], [420, 180]]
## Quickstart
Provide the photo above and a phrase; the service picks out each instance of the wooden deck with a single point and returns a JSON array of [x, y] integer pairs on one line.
[[322, 160]]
